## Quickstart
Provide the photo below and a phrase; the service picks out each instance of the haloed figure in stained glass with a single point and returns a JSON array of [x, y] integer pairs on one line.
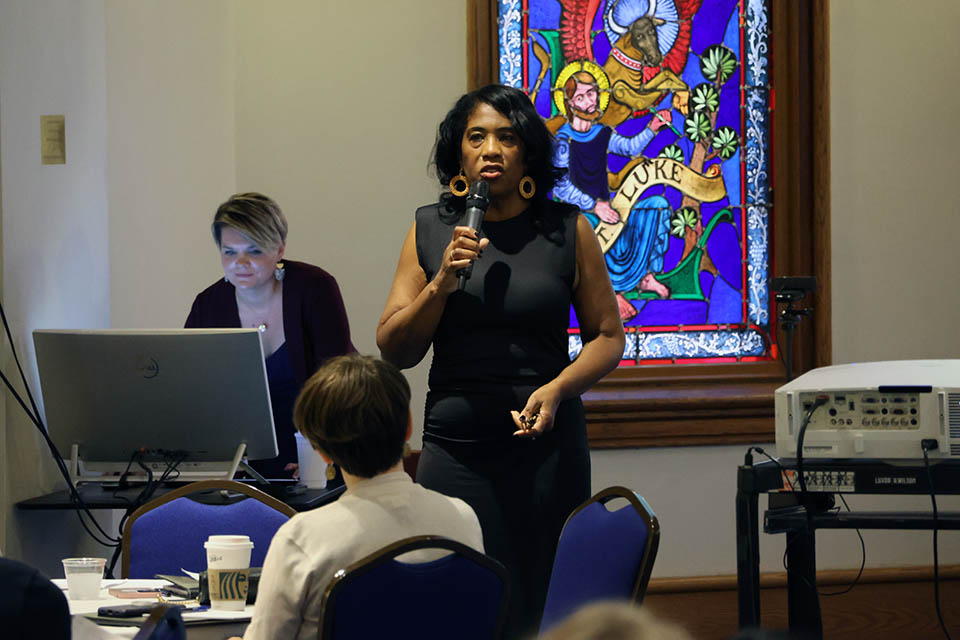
[[581, 147]]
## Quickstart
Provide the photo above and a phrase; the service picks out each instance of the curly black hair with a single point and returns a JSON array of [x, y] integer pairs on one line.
[[514, 105]]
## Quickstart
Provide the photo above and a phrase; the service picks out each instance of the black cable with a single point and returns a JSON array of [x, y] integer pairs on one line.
[[62, 467], [793, 487], [122, 482], [819, 402], [150, 486], [16, 359], [142, 498], [863, 559], [776, 461], [783, 562], [927, 445], [783, 472], [805, 497], [58, 459], [748, 460], [173, 461]]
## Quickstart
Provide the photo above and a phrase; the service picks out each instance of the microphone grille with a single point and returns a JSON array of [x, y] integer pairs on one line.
[[480, 188]]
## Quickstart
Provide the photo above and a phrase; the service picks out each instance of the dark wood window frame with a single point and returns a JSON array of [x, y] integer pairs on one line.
[[730, 403]]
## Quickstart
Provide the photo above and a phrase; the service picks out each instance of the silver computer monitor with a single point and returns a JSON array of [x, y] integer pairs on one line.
[[192, 393]]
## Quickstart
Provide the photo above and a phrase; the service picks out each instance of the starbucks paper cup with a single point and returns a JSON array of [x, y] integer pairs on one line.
[[228, 569]]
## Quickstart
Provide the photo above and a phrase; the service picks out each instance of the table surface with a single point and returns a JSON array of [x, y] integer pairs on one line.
[[220, 623]]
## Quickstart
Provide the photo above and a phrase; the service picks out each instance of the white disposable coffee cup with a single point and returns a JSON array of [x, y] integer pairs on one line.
[[313, 470], [84, 576], [228, 569]]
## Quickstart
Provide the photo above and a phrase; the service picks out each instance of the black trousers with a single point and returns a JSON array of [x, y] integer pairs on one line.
[[522, 492]]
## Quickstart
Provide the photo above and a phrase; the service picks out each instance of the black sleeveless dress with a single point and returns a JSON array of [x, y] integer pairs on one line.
[[498, 340]]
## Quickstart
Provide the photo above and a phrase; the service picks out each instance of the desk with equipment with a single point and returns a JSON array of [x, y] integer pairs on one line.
[[107, 496], [787, 515], [143, 410], [140, 409], [144, 407], [883, 428], [183, 403]]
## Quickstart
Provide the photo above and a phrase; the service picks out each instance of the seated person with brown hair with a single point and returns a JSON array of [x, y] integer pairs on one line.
[[355, 411]]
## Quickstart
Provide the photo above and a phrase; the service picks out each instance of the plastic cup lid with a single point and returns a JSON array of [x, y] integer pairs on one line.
[[228, 541]]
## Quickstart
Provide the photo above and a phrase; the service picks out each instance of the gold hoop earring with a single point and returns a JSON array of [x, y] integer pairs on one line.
[[527, 187], [459, 185]]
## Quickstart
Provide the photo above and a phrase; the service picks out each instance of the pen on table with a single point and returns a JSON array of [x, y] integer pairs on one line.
[[203, 607]]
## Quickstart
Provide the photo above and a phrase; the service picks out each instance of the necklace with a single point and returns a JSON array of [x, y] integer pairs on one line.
[[261, 327]]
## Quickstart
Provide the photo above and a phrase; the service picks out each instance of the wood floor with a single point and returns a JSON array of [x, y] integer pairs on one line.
[[894, 604]]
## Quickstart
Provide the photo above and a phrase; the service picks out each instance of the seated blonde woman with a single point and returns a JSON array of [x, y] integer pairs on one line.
[[296, 307], [355, 411]]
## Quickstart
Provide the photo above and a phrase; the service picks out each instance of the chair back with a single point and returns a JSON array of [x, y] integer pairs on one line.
[[163, 623], [602, 554], [167, 534], [463, 594]]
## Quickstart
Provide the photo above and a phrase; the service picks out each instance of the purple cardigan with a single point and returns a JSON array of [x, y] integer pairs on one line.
[[314, 320]]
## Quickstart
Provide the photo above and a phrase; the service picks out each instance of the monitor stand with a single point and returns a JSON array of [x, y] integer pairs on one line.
[[257, 477], [207, 470]]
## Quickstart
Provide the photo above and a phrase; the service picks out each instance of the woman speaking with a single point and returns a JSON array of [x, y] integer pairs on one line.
[[296, 306], [504, 427]]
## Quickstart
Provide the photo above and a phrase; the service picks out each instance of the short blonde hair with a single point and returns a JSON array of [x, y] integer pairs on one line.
[[615, 621], [255, 216]]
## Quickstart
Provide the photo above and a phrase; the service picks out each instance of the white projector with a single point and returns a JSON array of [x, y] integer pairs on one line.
[[874, 410]]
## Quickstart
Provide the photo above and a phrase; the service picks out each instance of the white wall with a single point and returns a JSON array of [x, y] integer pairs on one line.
[[55, 232], [894, 205], [170, 101], [337, 109]]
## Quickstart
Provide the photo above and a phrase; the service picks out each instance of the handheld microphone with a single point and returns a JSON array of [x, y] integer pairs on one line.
[[477, 203]]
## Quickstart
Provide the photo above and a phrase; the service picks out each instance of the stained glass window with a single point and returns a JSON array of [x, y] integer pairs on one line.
[[661, 114]]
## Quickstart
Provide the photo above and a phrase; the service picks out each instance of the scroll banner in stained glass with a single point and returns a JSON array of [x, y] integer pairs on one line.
[[660, 111]]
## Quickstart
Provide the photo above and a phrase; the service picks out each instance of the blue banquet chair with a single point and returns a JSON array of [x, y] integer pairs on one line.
[[602, 554], [163, 623], [167, 534], [466, 591]]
